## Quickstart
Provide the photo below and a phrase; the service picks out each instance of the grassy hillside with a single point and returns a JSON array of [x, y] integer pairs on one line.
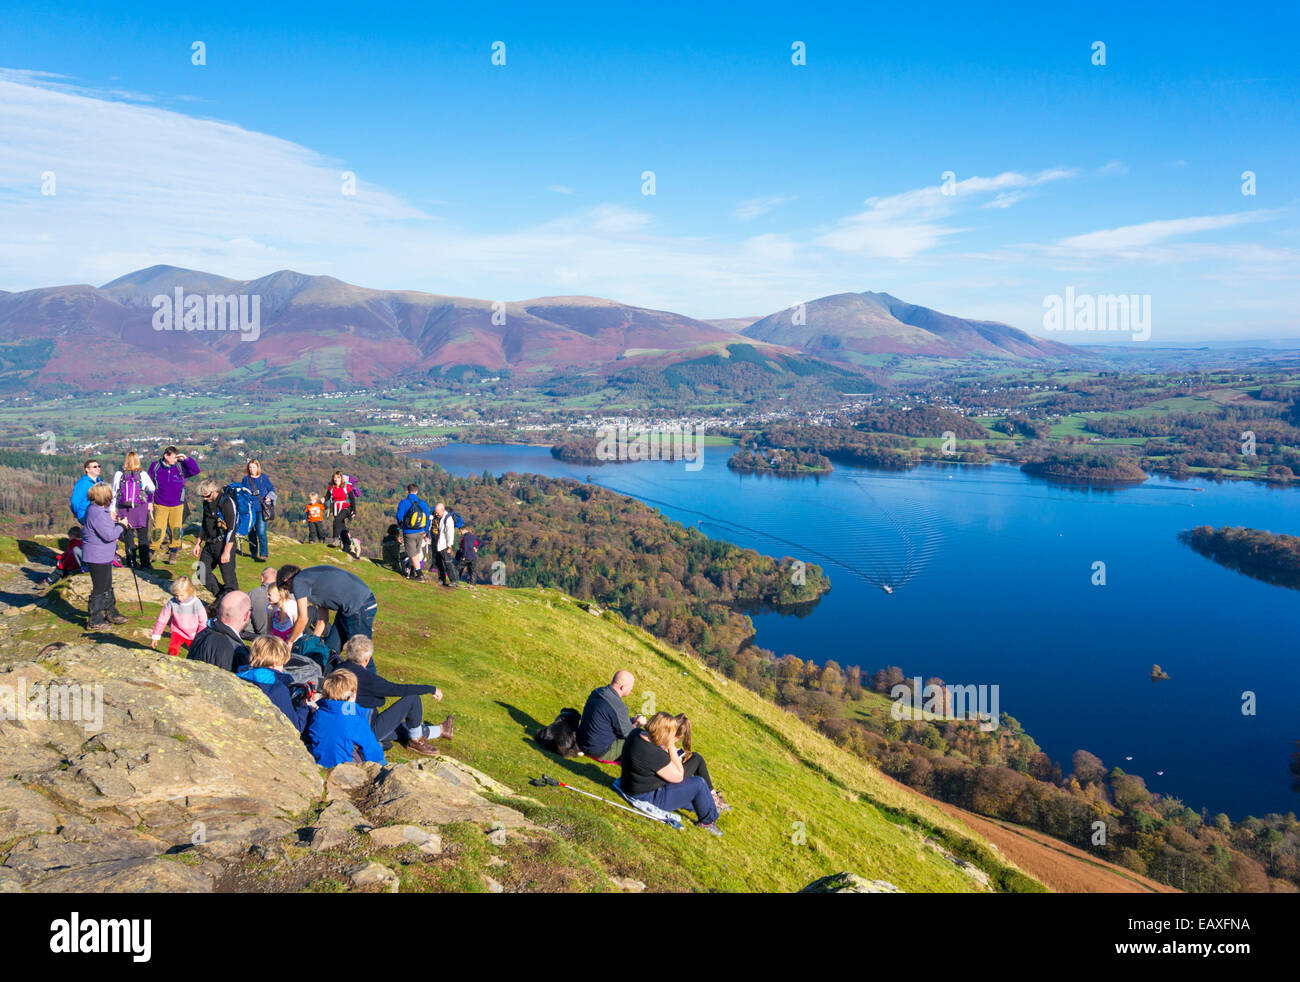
[[509, 660]]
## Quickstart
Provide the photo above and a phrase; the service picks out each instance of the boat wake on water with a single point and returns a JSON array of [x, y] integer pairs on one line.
[[867, 540]]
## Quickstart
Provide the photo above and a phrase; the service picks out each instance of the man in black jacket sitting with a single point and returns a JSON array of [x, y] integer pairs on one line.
[[219, 643], [404, 718], [605, 725]]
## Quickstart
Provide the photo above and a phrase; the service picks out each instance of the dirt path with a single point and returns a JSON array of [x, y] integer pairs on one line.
[[1057, 865]]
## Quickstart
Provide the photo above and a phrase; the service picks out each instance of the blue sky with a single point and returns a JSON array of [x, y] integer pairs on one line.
[[774, 183]]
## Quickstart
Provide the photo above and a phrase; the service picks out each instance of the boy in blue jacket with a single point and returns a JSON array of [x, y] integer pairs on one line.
[[268, 656], [339, 732]]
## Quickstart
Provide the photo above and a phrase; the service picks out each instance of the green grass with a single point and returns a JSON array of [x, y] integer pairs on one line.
[[509, 660]]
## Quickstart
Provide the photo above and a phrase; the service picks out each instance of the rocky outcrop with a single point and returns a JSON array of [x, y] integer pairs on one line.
[[127, 770], [117, 760], [849, 883]]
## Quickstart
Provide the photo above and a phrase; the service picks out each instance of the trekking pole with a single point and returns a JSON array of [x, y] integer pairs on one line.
[[543, 781], [138, 601]]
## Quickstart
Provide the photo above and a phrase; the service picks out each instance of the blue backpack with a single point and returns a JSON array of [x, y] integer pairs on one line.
[[244, 500], [456, 519]]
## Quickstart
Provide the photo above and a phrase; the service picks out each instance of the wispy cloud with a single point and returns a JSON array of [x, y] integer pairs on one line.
[[754, 207], [1131, 237], [139, 184], [1112, 169], [901, 226]]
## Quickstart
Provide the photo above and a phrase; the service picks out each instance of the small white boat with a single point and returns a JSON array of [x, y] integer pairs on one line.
[[887, 588]]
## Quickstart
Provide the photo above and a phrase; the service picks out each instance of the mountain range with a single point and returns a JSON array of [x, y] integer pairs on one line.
[[339, 335]]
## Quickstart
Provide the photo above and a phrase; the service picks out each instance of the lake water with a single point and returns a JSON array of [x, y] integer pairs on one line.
[[992, 573]]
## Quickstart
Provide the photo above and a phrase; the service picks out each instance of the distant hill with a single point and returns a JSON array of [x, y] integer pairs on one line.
[[321, 329], [847, 327], [317, 332]]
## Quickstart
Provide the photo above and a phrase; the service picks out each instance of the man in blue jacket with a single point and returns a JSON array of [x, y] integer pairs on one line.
[[413, 519], [79, 502], [605, 725]]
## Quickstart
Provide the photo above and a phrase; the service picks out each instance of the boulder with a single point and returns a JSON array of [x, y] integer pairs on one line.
[[373, 874], [392, 836], [154, 588], [118, 756], [849, 883], [439, 791]]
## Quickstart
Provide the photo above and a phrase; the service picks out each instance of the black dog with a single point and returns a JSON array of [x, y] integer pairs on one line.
[[561, 737]]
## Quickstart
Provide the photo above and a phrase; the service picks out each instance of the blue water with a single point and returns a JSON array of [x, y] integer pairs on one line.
[[992, 574]]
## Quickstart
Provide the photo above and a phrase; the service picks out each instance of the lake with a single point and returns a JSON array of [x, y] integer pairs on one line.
[[992, 574]]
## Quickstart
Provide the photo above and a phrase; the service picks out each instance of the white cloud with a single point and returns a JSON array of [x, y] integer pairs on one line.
[[901, 226], [1131, 237], [1112, 169], [754, 207], [560, 189], [140, 185]]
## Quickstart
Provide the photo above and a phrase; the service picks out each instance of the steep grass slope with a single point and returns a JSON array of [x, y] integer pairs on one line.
[[509, 660]]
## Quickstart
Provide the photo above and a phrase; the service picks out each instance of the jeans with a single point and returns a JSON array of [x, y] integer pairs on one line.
[[316, 531], [693, 791], [405, 714], [347, 625], [258, 544]]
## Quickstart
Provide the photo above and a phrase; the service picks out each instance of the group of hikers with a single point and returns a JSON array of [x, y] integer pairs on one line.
[[305, 636], [424, 531], [142, 508], [659, 768]]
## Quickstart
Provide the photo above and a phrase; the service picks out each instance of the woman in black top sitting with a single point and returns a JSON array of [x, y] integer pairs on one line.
[[693, 764], [653, 772]]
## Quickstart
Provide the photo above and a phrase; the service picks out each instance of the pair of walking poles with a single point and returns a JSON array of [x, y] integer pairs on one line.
[[544, 781]]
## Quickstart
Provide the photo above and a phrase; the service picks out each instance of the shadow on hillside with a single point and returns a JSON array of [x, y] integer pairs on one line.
[[578, 766]]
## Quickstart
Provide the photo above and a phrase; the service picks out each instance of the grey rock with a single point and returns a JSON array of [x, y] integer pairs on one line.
[[849, 883], [372, 874], [391, 836]]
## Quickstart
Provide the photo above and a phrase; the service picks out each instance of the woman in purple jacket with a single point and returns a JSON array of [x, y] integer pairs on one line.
[[98, 549]]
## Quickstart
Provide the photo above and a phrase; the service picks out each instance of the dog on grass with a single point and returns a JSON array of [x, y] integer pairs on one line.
[[561, 737]]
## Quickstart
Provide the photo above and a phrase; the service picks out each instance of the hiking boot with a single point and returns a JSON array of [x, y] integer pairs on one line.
[[718, 800], [448, 728], [422, 747], [115, 618], [711, 828], [172, 556]]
